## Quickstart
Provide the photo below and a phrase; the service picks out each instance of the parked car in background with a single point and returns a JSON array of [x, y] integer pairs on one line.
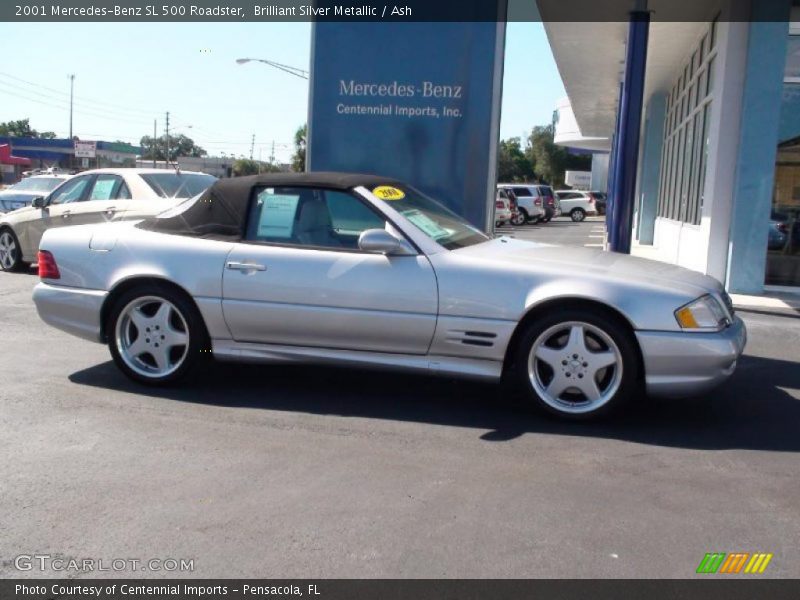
[[530, 202], [784, 232], [21, 194], [360, 270], [778, 235], [576, 204], [93, 197], [600, 201], [502, 209]]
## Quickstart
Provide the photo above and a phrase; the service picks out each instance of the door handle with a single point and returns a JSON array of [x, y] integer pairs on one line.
[[65, 214], [111, 210], [239, 266]]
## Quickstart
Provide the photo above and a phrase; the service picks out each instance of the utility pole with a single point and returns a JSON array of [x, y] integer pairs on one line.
[[154, 144], [71, 89], [167, 133], [252, 144], [272, 154]]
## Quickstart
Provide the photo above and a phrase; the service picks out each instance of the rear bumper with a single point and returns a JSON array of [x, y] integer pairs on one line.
[[74, 310], [684, 364]]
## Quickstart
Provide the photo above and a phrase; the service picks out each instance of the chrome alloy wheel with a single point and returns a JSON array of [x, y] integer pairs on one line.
[[8, 250], [152, 337], [575, 367]]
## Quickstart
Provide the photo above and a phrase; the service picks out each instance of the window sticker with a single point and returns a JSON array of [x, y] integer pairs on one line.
[[102, 189], [387, 192], [426, 224], [277, 214]]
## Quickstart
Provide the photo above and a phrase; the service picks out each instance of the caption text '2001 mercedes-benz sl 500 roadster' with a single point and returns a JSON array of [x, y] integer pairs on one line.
[[363, 270]]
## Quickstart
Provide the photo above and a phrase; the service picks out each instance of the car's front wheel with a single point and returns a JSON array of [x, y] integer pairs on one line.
[[10, 251], [155, 334], [577, 363]]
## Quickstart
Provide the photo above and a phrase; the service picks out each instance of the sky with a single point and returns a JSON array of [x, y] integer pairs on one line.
[[127, 75]]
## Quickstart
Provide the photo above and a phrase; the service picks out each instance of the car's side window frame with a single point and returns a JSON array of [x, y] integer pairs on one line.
[[84, 193], [255, 190]]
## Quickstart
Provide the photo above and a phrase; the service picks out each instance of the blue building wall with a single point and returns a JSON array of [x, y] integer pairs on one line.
[[758, 142]]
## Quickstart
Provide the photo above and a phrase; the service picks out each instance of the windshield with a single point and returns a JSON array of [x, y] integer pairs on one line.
[[178, 185], [38, 184], [429, 216]]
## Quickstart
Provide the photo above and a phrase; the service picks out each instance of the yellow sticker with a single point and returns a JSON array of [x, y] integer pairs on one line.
[[387, 192]]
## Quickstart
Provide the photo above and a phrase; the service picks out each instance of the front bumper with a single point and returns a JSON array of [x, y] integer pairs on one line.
[[684, 364], [74, 310]]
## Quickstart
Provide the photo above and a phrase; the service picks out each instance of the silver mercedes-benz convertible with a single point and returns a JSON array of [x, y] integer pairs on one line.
[[362, 270]]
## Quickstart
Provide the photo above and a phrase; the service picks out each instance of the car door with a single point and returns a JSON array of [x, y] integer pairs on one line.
[[105, 200], [299, 278], [57, 212]]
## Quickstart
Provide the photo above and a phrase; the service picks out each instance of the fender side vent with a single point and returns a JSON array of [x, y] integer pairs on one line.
[[472, 338]]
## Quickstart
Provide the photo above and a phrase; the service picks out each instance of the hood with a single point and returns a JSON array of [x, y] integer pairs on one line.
[[593, 262]]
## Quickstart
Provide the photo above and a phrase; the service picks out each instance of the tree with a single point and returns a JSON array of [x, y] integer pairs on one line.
[[299, 158], [179, 145], [551, 160], [512, 163], [245, 166], [22, 128]]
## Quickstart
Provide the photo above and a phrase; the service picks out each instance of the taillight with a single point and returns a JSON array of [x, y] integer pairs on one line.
[[499, 204], [538, 202], [782, 228], [591, 200], [48, 269]]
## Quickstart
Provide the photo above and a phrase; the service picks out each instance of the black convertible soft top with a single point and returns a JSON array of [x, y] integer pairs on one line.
[[221, 211]]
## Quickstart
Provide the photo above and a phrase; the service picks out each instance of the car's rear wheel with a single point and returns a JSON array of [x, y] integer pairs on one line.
[[577, 363], [155, 334], [520, 218], [577, 214], [10, 251]]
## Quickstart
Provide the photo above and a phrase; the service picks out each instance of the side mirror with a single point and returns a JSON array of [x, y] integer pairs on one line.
[[381, 241], [38, 202]]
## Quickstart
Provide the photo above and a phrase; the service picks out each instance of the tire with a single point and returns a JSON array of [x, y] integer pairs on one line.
[[521, 218], [165, 315], [558, 356], [577, 214], [10, 251]]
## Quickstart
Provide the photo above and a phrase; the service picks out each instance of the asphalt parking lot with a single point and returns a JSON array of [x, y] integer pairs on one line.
[[311, 472], [561, 230]]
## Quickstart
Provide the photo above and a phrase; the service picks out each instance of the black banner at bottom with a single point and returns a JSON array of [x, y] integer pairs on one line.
[[733, 588]]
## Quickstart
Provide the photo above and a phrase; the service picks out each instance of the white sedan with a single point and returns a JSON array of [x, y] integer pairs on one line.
[[22, 193], [362, 270], [93, 197]]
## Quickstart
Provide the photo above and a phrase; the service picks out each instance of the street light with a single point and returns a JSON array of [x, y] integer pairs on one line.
[[288, 69]]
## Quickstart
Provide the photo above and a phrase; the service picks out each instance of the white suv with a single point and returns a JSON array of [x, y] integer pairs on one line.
[[530, 202], [576, 204]]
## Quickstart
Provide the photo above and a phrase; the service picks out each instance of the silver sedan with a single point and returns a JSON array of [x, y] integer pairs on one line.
[[365, 271]]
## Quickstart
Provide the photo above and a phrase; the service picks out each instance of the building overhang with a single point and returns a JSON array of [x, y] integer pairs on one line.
[[590, 56]]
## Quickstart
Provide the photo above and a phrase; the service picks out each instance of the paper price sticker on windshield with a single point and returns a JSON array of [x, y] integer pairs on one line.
[[387, 192]]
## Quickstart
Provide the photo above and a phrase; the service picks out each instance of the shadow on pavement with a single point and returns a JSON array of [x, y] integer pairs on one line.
[[750, 411]]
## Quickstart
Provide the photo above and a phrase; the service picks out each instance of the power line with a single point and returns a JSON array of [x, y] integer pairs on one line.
[[101, 105]]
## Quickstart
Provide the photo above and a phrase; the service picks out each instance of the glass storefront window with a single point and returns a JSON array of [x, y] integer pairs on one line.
[[783, 243]]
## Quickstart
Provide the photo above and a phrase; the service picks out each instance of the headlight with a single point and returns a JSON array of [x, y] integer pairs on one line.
[[704, 314]]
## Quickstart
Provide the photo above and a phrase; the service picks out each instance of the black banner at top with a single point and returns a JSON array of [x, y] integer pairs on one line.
[[407, 10]]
